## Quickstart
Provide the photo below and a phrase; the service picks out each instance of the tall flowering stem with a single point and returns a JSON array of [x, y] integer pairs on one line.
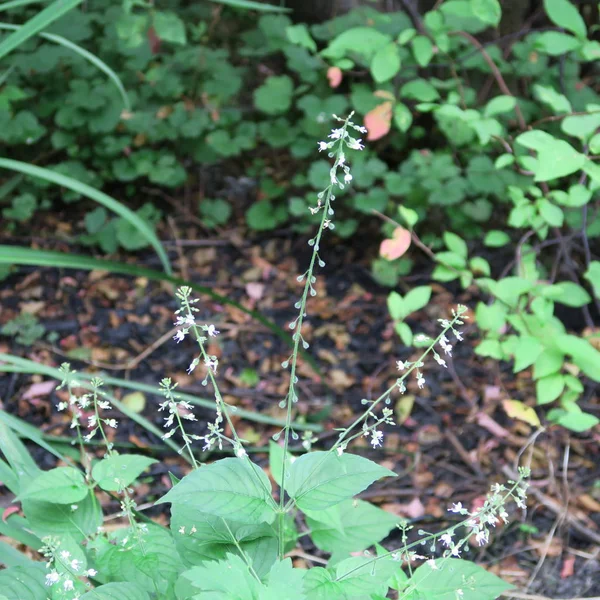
[[340, 139]]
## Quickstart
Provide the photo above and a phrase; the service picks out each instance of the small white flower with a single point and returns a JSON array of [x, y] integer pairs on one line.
[[439, 360], [400, 365], [179, 336], [75, 564], [90, 573], [104, 405], [420, 380], [431, 562], [355, 144], [447, 539], [482, 537], [458, 335], [212, 364], [112, 423], [193, 530], [74, 507], [190, 319], [68, 585], [347, 178], [240, 452], [182, 530], [192, 366], [92, 421], [376, 438], [52, 578], [65, 555], [340, 450], [212, 332], [457, 507], [455, 551], [62, 406], [323, 146], [336, 134]]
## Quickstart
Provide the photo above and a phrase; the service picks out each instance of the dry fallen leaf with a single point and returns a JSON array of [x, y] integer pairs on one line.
[[517, 410]]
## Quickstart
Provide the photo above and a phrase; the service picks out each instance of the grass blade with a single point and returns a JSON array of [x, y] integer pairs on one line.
[[249, 5], [46, 16], [11, 557], [17, 255], [97, 196], [9, 362], [17, 456], [16, 3], [99, 64]]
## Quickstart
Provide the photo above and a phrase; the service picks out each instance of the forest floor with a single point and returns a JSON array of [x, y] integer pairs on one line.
[[453, 439]]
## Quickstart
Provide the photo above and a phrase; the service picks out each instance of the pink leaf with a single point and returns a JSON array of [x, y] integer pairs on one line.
[[37, 390], [334, 74], [397, 246], [11, 510], [378, 121]]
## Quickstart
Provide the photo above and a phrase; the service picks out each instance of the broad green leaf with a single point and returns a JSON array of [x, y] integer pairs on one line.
[[548, 362], [556, 101], [351, 526], [152, 563], [491, 317], [11, 557], [499, 105], [564, 14], [361, 575], [496, 239], [62, 485], [320, 584], [300, 35], [365, 41], [231, 488], [24, 583], [491, 349], [22, 464], [79, 520], [584, 355], [319, 480], [276, 461], [169, 27], [403, 120], [510, 289], [582, 126], [419, 89], [116, 591], [396, 306], [228, 579], [284, 582], [409, 215], [422, 49], [556, 43], [116, 472], [455, 244], [549, 388], [577, 421], [417, 298], [386, 63], [452, 574], [200, 537], [275, 95], [552, 214], [557, 159], [489, 11], [593, 276], [535, 139], [41, 20], [405, 333], [8, 477], [526, 352], [571, 294], [85, 190]]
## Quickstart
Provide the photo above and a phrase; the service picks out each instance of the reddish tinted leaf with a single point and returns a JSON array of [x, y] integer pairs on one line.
[[397, 246], [334, 74]]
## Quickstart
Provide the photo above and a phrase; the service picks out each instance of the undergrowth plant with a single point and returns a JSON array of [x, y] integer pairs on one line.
[[231, 537]]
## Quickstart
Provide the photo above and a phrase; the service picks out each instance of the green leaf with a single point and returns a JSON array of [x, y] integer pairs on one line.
[[552, 214], [41, 20], [320, 584], [556, 101], [22, 464], [275, 95], [557, 159], [556, 43], [582, 126], [490, 348], [455, 244], [63, 485], [549, 388], [402, 118], [276, 461], [405, 333], [550, 361], [491, 317], [510, 289], [11, 557], [116, 591], [564, 14], [284, 582], [577, 421], [100, 197], [351, 526], [319, 480], [489, 11], [300, 35], [496, 239], [417, 298], [409, 216], [396, 306], [451, 575], [169, 27], [228, 579], [365, 41], [24, 583], [116, 472], [593, 276], [360, 575], [499, 105], [526, 352], [419, 89], [386, 63], [230, 488], [571, 294], [422, 49], [584, 355]]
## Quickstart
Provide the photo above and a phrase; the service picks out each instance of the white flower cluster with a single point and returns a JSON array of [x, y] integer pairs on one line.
[[177, 409], [64, 570], [373, 432]]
